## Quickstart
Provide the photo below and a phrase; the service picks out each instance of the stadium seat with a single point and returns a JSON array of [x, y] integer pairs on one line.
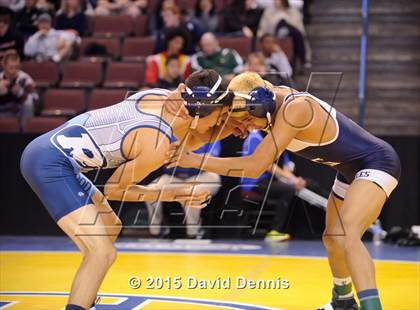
[[113, 26], [241, 44], [43, 124], [9, 124], [45, 74], [187, 4], [102, 98], [141, 26], [286, 45], [112, 45], [90, 21], [81, 74], [121, 74], [220, 4], [137, 49], [64, 102]]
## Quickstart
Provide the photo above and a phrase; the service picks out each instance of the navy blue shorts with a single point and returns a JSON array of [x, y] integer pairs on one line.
[[56, 180], [382, 167]]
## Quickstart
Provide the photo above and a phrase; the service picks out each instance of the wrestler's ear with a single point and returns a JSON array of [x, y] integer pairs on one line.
[[181, 88]]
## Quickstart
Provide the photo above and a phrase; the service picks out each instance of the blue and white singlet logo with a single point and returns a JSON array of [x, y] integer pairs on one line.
[[75, 142]]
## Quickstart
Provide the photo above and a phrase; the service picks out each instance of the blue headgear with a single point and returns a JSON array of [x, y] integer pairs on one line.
[[202, 100], [260, 102]]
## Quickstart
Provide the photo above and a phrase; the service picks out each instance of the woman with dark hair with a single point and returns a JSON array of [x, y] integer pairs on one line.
[[242, 17], [173, 18], [176, 40], [205, 14], [71, 17]]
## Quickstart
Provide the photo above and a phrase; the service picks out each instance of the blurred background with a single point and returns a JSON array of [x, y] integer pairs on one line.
[[62, 58]]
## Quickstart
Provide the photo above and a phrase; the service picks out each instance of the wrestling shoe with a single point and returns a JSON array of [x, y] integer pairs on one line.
[[276, 236], [340, 304]]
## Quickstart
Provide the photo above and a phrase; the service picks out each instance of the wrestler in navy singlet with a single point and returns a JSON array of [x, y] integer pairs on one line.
[[53, 163], [354, 152]]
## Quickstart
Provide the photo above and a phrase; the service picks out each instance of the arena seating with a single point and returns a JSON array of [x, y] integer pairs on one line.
[[81, 74], [45, 74], [101, 98], [137, 49], [113, 26], [127, 75], [112, 45], [9, 124], [65, 102], [242, 45], [41, 124], [101, 81], [140, 26]]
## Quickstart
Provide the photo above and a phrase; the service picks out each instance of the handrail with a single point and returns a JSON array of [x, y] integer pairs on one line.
[[362, 67]]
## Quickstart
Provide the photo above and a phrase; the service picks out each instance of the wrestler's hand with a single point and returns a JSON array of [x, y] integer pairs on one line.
[[178, 155], [190, 195], [175, 104]]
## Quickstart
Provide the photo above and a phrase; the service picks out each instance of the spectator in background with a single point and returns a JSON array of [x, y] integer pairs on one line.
[[17, 89], [48, 6], [205, 14], [281, 189], [225, 61], [207, 180], [26, 18], [14, 5], [255, 63], [155, 19], [131, 8], [10, 37], [156, 64], [242, 17], [172, 18], [281, 20], [48, 43], [71, 17], [274, 56], [172, 76]]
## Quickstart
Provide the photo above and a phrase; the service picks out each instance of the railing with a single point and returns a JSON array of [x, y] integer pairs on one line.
[[362, 69]]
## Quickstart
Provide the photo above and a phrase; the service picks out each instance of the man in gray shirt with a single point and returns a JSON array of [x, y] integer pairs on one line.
[[48, 43]]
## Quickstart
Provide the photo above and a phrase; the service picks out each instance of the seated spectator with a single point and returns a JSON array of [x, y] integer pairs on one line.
[[205, 14], [208, 180], [255, 63], [131, 8], [172, 18], [274, 56], [17, 89], [156, 64], [242, 17], [48, 43], [155, 19], [26, 18], [281, 189], [282, 20], [172, 76], [14, 5], [10, 38], [71, 17], [48, 6], [225, 61]]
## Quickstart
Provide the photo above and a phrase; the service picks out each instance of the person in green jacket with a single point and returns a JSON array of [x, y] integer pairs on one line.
[[226, 61]]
